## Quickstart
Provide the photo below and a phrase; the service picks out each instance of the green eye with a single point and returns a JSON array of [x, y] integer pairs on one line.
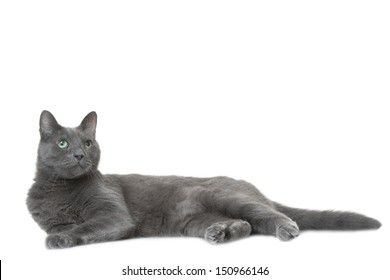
[[88, 144], [63, 144]]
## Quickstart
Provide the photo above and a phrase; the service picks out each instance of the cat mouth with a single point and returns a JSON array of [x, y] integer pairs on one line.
[[77, 170], [80, 166], [77, 167]]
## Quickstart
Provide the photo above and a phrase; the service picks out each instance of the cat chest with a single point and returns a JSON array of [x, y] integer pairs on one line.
[[52, 211]]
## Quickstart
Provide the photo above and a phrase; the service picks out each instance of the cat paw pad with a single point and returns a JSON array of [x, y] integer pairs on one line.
[[215, 233], [59, 241], [239, 229], [287, 231], [227, 231]]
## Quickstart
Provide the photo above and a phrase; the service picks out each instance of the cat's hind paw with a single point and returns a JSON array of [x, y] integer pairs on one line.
[[287, 231], [216, 233], [60, 241], [227, 231]]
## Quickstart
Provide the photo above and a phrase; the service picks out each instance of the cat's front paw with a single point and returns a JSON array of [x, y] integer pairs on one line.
[[287, 231], [60, 241]]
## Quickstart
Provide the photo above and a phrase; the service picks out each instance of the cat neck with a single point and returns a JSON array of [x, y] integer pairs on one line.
[[46, 178]]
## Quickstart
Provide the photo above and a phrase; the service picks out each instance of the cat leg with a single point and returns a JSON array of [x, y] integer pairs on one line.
[[61, 227], [265, 220], [241, 200], [104, 228], [93, 231], [217, 228]]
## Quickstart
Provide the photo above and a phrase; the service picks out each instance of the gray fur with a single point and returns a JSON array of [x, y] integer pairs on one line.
[[75, 204]]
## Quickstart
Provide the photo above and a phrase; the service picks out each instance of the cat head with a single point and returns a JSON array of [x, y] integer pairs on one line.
[[67, 153]]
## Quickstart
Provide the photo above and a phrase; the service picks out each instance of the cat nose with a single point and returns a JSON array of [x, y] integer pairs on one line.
[[79, 156]]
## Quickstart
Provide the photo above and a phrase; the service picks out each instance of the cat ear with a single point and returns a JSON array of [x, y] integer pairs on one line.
[[88, 124], [47, 124]]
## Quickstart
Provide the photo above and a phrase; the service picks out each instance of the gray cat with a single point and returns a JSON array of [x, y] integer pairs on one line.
[[75, 204]]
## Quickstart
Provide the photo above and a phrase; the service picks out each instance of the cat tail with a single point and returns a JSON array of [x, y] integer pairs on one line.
[[328, 220]]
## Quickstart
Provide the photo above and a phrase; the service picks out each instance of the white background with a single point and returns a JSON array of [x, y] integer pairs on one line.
[[292, 96]]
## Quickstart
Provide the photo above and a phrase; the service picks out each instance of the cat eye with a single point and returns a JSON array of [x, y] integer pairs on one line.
[[63, 144], [88, 144]]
